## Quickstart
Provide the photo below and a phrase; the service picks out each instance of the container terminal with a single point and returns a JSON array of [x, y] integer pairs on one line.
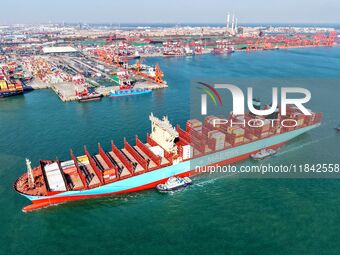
[[168, 151], [75, 74], [81, 62]]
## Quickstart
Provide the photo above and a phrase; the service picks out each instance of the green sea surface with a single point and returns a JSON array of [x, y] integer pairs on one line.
[[218, 214]]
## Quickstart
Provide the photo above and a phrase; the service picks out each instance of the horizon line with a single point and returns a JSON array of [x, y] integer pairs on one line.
[[170, 22]]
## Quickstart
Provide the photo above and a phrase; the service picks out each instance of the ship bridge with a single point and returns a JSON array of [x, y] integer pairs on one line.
[[164, 133]]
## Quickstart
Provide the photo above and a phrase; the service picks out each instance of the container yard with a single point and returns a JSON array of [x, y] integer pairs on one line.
[[90, 73]]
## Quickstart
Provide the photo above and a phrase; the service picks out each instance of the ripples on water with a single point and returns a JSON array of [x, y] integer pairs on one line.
[[216, 215]]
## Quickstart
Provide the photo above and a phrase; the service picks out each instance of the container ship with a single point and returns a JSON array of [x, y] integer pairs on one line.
[[129, 92], [8, 89], [13, 80], [168, 151]]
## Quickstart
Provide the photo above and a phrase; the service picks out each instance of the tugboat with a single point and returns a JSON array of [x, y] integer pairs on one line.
[[262, 154], [174, 183], [337, 128]]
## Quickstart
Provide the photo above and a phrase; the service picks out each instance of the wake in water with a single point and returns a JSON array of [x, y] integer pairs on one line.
[[211, 178], [294, 148]]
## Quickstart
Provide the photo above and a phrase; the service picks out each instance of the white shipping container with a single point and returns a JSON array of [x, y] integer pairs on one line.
[[54, 178], [187, 152], [52, 173], [51, 167], [67, 164], [56, 183]]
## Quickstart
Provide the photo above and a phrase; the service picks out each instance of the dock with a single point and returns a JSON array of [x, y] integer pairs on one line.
[[66, 91]]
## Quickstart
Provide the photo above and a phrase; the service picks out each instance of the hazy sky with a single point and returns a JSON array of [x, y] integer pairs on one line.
[[178, 11]]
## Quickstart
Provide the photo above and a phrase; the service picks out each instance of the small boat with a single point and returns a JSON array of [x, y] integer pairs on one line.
[[218, 51], [128, 92], [88, 95], [174, 183], [222, 51], [337, 128], [262, 154]]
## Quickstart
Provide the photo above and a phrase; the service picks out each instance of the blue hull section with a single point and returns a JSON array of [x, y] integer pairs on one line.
[[132, 92], [10, 94]]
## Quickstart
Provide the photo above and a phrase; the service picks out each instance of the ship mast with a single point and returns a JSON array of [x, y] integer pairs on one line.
[[30, 175]]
